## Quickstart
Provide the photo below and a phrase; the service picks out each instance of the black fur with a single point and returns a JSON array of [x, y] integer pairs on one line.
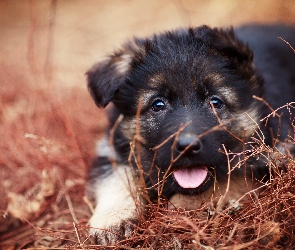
[[187, 71], [275, 61]]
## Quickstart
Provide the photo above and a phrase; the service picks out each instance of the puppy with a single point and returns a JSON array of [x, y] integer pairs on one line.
[[183, 117]]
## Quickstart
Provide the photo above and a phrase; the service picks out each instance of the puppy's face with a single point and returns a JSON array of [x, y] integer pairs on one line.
[[189, 96]]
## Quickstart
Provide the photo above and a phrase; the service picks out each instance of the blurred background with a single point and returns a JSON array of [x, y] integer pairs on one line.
[[59, 40]]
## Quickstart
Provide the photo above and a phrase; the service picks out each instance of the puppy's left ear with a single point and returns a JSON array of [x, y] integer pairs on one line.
[[225, 42], [105, 78]]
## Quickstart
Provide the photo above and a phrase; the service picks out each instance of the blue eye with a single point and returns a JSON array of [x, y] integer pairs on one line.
[[216, 102], [158, 105]]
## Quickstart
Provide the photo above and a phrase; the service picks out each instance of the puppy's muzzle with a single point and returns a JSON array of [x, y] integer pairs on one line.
[[188, 144]]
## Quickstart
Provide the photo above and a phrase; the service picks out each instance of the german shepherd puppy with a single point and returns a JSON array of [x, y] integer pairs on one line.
[[183, 114]]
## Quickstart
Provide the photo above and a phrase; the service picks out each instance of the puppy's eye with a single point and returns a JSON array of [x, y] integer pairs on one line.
[[216, 102], [158, 105]]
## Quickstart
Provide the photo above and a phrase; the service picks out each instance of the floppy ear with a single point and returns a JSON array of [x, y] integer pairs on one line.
[[105, 78], [225, 42]]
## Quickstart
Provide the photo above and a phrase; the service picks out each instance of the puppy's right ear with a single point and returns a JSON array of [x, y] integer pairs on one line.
[[105, 78]]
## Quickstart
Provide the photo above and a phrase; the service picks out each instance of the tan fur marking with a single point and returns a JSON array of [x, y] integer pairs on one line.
[[228, 94], [249, 121], [156, 80], [144, 97], [123, 64], [126, 55], [128, 127]]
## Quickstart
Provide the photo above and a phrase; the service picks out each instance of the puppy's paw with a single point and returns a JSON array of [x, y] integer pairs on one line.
[[109, 232], [116, 210]]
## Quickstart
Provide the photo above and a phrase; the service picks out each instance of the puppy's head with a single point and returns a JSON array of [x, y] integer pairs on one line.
[[193, 90]]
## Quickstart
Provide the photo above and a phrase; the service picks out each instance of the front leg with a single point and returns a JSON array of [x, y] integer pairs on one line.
[[116, 207]]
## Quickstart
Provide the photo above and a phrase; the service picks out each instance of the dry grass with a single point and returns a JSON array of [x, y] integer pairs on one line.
[[47, 143]]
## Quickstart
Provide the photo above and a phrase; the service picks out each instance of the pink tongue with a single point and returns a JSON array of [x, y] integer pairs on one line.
[[191, 178]]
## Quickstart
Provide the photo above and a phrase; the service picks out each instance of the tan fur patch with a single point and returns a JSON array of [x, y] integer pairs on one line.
[[156, 80], [248, 122], [144, 97], [228, 94], [125, 56], [216, 78], [123, 63], [128, 127]]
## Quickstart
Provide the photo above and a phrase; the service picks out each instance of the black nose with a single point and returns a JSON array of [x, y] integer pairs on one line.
[[188, 144]]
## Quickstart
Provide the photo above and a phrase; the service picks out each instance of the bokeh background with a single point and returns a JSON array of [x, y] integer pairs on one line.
[[48, 122], [60, 39]]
